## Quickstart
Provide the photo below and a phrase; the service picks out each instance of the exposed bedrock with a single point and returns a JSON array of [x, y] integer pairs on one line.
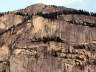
[[38, 44]]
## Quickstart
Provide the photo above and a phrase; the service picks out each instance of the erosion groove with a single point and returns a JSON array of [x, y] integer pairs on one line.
[[47, 38]]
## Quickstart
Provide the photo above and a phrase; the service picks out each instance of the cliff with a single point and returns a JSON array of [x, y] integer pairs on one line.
[[42, 38]]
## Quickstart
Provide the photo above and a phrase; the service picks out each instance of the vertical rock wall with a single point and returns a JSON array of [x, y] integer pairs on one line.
[[44, 45]]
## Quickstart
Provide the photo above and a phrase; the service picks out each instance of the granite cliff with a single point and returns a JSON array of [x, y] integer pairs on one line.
[[47, 38]]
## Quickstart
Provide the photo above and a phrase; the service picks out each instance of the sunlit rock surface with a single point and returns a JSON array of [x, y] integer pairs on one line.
[[33, 43]]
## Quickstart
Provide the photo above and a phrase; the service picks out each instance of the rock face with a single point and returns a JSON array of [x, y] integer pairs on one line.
[[35, 43]]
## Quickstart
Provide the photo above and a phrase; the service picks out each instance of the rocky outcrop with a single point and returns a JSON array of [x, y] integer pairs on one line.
[[33, 43]]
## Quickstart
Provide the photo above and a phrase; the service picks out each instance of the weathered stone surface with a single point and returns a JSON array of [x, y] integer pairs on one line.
[[4, 53], [38, 44]]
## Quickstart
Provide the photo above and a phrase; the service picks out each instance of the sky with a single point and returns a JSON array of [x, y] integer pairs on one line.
[[10, 5]]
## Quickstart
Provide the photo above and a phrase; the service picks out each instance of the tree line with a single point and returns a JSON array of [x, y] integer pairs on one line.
[[54, 15]]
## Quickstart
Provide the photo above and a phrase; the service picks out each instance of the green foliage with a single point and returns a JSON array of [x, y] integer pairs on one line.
[[48, 39], [48, 15], [24, 14], [1, 14], [54, 15], [20, 13]]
